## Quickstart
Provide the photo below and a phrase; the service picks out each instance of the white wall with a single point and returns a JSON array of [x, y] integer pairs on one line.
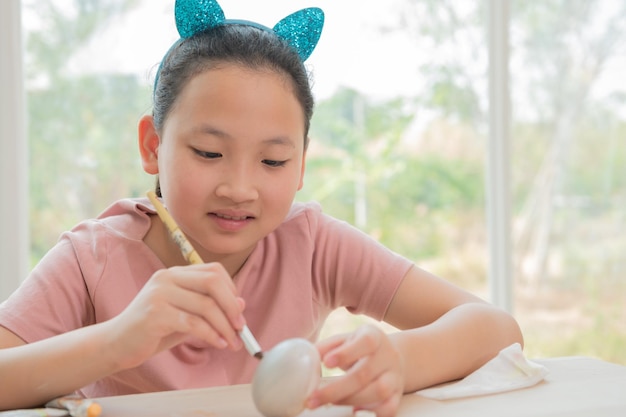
[[13, 153]]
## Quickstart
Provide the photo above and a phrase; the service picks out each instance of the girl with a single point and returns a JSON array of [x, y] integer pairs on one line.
[[114, 308]]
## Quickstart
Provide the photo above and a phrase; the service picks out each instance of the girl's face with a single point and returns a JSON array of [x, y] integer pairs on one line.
[[231, 158]]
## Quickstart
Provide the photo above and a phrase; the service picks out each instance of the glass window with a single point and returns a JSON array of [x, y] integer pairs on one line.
[[568, 175], [398, 141]]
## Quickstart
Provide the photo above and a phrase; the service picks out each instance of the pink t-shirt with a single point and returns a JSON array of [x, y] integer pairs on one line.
[[311, 265]]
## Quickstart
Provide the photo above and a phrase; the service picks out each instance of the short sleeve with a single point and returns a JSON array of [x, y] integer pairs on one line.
[[89, 276], [353, 270], [52, 300]]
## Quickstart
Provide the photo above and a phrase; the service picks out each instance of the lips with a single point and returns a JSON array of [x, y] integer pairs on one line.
[[233, 215], [227, 217], [232, 221]]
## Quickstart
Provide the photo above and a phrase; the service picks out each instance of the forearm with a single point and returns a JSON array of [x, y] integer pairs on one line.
[[32, 374], [455, 345]]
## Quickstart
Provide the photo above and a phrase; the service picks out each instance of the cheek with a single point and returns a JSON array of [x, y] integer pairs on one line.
[[289, 186], [176, 175], [183, 195]]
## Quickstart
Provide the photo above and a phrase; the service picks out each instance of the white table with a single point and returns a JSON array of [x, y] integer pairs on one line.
[[575, 387]]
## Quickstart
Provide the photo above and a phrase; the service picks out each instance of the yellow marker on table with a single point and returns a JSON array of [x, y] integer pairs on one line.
[[77, 407]]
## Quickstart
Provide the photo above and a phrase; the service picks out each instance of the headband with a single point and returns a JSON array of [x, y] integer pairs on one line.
[[301, 30]]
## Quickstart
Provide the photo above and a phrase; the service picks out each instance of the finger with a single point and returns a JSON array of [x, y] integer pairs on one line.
[[363, 342], [382, 393], [184, 325], [376, 392], [214, 281], [209, 322], [388, 408], [207, 277], [199, 328], [217, 268], [326, 345], [347, 388], [199, 304], [364, 361]]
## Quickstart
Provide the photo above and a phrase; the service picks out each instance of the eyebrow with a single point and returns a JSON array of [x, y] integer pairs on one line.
[[213, 131]]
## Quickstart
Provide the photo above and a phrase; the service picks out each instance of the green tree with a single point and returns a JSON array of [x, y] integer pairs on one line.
[[363, 167], [361, 149], [566, 145], [568, 149], [81, 127]]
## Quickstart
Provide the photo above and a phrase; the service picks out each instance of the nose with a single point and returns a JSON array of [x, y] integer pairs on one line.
[[238, 184]]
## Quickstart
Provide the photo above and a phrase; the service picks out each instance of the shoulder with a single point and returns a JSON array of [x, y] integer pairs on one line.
[[302, 210], [116, 232], [309, 216], [323, 230], [348, 267], [127, 219], [307, 226]]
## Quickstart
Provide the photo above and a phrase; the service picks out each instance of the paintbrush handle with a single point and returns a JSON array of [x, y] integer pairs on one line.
[[252, 346], [179, 237]]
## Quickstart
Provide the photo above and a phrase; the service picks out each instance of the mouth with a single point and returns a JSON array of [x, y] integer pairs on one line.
[[232, 222], [235, 218]]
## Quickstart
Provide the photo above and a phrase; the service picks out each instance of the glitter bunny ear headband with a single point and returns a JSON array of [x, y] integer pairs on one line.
[[301, 30]]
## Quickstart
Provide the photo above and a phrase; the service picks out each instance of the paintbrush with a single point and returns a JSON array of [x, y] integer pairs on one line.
[[190, 254]]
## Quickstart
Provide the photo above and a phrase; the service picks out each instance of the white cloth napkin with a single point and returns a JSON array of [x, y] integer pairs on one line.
[[508, 371]]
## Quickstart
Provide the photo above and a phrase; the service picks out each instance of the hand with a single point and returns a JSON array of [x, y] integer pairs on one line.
[[374, 378], [176, 303]]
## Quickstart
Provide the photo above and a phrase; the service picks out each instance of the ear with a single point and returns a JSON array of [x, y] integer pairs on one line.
[[302, 170], [148, 145]]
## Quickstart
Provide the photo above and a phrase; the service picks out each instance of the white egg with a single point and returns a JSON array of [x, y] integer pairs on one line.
[[285, 377]]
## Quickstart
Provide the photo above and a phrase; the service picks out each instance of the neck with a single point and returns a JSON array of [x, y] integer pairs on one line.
[[159, 240], [232, 262]]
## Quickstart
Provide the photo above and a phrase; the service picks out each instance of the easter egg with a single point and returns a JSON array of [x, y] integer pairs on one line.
[[285, 377]]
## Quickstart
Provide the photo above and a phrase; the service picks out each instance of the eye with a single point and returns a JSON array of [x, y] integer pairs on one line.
[[274, 164], [206, 154]]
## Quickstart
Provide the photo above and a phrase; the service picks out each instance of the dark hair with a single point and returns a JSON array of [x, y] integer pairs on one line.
[[239, 44], [232, 43]]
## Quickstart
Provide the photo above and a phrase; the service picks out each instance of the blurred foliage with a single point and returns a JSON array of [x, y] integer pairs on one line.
[[83, 146], [358, 152]]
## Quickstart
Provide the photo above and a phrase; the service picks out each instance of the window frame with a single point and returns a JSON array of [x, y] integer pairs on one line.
[[14, 237]]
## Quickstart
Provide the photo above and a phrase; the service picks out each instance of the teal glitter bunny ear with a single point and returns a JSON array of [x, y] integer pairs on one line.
[[193, 16], [301, 30]]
